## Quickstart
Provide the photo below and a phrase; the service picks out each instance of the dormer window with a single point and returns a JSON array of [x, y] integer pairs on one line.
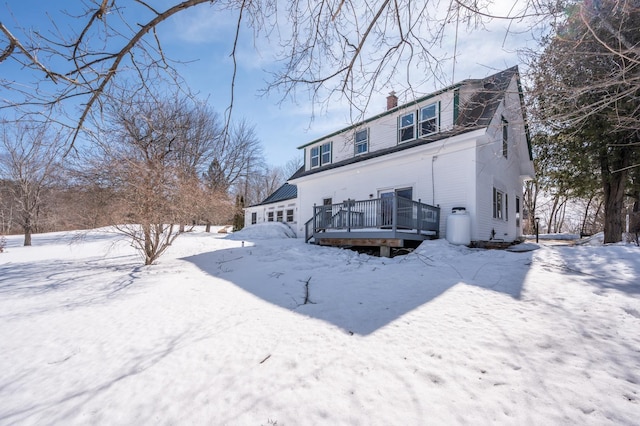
[[407, 127], [362, 141], [321, 155], [315, 156], [325, 153], [428, 120]]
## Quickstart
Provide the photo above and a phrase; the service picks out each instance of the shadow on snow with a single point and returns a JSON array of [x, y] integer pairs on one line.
[[360, 293], [65, 284], [613, 269]]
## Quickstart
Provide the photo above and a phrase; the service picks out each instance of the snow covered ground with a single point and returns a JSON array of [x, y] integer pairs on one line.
[[218, 333]]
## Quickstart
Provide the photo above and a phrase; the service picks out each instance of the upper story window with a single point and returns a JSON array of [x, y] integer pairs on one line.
[[315, 156], [407, 127], [429, 119], [321, 155], [362, 141], [505, 137], [325, 154]]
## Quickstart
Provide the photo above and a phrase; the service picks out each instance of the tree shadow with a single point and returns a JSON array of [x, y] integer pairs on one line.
[[60, 408], [356, 292], [65, 284], [62, 237], [613, 269]]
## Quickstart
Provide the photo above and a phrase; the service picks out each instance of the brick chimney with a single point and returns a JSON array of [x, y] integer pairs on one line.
[[392, 101]]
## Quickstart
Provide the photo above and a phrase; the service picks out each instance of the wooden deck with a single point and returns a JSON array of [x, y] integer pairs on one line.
[[383, 222]]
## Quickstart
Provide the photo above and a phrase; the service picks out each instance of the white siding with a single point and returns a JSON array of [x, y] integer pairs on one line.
[[461, 171], [455, 184], [447, 161], [383, 132], [263, 210], [505, 174]]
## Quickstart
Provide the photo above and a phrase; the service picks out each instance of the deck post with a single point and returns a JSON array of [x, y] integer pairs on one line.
[[419, 217], [394, 215], [385, 251], [315, 219], [348, 214]]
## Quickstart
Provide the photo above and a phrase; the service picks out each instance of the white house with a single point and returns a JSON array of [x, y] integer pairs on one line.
[[393, 179], [281, 206]]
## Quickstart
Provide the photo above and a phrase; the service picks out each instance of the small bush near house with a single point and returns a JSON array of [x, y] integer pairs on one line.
[[3, 243]]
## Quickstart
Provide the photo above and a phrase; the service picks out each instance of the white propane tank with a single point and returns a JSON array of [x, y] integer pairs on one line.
[[459, 227]]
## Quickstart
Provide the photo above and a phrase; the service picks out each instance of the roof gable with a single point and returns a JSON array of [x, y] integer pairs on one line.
[[285, 192], [474, 112], [482, 106]]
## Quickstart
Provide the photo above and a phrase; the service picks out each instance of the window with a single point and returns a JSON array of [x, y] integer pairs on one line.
[[362, 141], [254, 218], [279, 214], [290, 215], [505, 137], [506, 206], [429, 119], [498, 205], [270, 217], [407, 127], [325, 153], [517, 212], [315, 156], [321, 155]]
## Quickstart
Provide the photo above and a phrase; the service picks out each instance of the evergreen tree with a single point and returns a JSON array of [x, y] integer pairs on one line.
[[238, 217], [215, 178], [586, 85]]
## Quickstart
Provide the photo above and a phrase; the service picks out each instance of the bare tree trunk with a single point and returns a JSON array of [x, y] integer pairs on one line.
[[559, 217], [554, 210], [148, 245], [635, 189], [613, 186], [531, 198], [584, 217], [27, 231]]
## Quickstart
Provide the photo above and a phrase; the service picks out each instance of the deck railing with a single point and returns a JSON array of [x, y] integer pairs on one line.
[[395, 213]]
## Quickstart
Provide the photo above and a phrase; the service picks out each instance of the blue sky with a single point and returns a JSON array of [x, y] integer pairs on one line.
[[202, 39]]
